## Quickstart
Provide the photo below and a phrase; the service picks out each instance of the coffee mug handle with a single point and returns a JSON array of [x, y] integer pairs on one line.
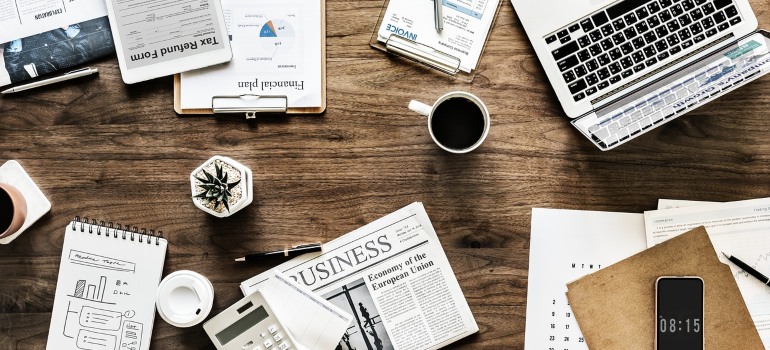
[[420, 107]]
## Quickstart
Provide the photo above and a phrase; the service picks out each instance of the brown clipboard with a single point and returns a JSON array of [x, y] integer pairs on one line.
[[615, 307], [287, 110]]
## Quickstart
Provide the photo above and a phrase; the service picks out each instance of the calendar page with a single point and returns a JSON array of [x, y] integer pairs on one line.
[[564, 246]]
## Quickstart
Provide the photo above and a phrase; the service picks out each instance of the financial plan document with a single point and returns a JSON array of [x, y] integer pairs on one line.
[[739, 228], [276, 52], [564, 246], [466, 26]]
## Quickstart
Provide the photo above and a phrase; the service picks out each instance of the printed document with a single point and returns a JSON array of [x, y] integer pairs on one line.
[[737, 228], [393, 276], [466, 26], [676, 203], [313, 322], [564, 246], [164, 30], [276, 52], [23, 18]]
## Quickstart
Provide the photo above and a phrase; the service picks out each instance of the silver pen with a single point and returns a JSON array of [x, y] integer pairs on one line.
[[66, 76], [437, 4]]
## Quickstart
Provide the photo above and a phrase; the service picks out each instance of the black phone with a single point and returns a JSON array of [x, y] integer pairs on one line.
[[679, 313]]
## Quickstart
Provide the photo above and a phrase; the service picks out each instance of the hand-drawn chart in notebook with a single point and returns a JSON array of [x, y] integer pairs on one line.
[[564, 246], [105, 294]]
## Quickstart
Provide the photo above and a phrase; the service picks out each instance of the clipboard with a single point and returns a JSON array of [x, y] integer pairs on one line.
[[432, 58], [252, 105], [615, 307]]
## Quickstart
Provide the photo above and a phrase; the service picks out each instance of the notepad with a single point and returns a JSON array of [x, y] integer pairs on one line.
[[105, 293]]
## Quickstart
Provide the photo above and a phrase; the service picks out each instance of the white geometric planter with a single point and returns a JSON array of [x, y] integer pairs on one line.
[[241, 194]]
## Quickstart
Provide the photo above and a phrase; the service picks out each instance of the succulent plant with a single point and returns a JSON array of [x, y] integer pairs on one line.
[[215, 188]]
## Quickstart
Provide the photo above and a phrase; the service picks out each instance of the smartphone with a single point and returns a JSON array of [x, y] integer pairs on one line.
[[679, 313]]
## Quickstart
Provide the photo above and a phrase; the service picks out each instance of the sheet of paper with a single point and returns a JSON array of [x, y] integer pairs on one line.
[[165, 30], [736, 228], [314, 322], [20, 19], [105, 290], [676, 203], [276, 51], [466, 26], [564, 246]]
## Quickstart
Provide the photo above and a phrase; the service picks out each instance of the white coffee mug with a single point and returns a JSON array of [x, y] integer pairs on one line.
[[463, 138]]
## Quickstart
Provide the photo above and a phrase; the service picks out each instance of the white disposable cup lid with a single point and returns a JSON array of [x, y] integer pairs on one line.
[[185, 298]]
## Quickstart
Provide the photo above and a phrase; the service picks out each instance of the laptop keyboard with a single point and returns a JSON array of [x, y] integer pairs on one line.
[[633, 37], [675, 98]]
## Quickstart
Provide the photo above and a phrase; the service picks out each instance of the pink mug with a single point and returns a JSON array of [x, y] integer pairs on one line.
[[13, 210]]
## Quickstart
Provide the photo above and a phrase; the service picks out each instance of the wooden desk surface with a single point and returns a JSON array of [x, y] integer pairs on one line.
[[103, 149]]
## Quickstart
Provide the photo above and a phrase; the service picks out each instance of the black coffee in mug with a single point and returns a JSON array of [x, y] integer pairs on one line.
[[6, 211], [458, 123]]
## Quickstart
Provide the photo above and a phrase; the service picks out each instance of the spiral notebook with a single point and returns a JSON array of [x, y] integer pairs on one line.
[[105, 293]]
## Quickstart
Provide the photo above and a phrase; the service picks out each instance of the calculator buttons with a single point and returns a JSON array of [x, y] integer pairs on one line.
[[268, 343], [283, 346], [277, 337], [272, 329]]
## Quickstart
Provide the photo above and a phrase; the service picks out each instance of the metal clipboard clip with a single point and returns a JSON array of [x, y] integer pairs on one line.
[[250, 104], [423, 53]]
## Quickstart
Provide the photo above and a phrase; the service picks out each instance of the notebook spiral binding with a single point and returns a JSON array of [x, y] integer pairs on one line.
[[126, 232]]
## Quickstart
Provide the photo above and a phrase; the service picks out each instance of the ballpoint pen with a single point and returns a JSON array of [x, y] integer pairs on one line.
[[286, 253], [66, 76], [762, 278], [439, 17]]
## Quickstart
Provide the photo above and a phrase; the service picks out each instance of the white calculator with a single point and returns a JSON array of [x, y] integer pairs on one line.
[[249, 324]]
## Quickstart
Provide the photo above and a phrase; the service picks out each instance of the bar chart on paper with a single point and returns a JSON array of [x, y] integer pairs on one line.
[[92, 292]]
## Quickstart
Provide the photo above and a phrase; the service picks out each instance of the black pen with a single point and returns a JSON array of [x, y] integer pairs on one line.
[[748, 269], [286, 253]]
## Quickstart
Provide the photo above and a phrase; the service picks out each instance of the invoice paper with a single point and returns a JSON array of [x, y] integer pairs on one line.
[[466, 26], [20, 19], [564, 246], [276, 52], [741, 229]]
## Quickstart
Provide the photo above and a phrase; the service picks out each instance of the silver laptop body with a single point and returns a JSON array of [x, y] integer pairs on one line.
[[622, 68]]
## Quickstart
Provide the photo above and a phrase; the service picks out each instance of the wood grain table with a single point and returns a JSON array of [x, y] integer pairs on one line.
[[102, 149]]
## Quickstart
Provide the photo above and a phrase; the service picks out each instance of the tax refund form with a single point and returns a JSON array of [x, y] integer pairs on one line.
[[466, 26]]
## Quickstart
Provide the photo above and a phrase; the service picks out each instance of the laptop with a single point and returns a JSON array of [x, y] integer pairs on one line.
[[622, 68]]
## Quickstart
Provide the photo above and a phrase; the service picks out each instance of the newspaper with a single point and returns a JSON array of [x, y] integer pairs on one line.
[[44, 36], [395, 279]]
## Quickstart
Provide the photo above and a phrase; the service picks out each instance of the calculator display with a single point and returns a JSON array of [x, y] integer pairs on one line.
[[242, 325]]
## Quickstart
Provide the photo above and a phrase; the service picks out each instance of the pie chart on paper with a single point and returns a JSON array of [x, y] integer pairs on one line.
[[277, 36]]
